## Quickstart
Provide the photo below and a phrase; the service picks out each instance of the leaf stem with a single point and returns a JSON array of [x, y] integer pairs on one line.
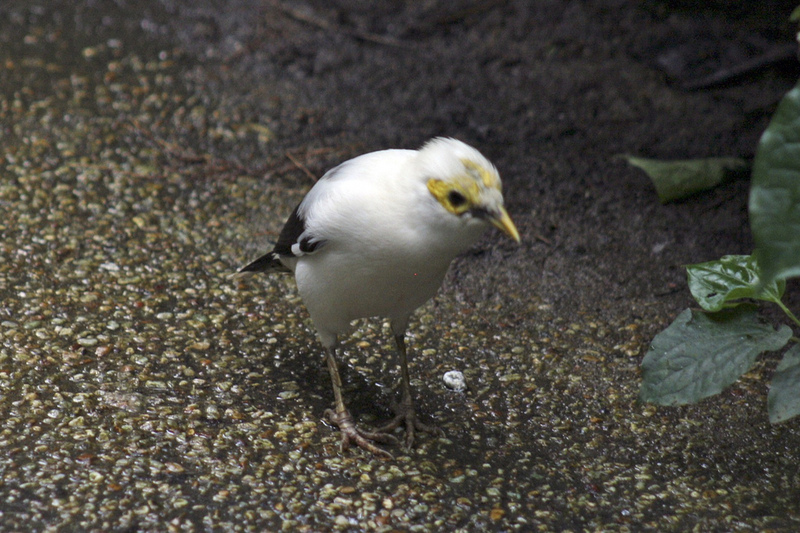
[[788, 313]]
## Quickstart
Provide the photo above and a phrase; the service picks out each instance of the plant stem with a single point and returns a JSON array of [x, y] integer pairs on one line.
[[788, 313]]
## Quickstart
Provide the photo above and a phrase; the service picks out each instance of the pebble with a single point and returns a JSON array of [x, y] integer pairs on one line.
[[454, 380]]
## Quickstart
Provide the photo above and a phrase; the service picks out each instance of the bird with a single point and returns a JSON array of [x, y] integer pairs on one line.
[[374, 237]]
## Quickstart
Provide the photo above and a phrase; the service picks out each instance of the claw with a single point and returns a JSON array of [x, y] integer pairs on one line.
[[405, 415], [362, 439]]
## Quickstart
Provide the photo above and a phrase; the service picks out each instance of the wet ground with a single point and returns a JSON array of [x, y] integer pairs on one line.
[[148, 152]]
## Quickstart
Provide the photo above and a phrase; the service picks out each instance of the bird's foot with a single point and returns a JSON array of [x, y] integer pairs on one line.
[[405, 414], [363, 439]]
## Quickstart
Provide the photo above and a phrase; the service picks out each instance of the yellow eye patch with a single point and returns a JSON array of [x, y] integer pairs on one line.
[[456, 197]]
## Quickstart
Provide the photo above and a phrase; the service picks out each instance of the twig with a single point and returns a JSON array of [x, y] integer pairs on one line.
[[301, 166], [186, 156], [447, 16], [172, 149], [539, 237], [725, 76], [307, 16]]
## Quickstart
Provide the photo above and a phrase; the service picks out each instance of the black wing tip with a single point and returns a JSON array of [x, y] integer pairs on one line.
[[266, 263]]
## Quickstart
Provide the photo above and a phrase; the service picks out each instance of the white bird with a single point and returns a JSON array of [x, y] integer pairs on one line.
[[375, 237]]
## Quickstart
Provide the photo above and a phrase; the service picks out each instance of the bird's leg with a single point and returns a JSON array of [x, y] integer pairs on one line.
[[404, 412], [342, 418]]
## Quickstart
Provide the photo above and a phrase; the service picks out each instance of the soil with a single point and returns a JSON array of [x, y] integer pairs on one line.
[[552, 92], [150, 150]]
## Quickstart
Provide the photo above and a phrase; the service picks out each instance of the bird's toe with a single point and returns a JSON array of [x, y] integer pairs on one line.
[[407, 416], [363, 439]]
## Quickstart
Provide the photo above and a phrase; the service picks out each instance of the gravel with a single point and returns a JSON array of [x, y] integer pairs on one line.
[[142, 389]]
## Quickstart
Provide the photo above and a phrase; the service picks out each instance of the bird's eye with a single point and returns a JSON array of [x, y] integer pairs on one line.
[[456, 199]]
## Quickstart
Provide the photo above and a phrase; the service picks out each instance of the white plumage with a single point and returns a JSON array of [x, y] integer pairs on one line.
[[374, 237]]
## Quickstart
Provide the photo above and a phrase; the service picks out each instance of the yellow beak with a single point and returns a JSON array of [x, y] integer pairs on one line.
[[503, 223]]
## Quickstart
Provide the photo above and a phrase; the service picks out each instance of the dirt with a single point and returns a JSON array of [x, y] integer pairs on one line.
[[552, 92], [151, 150]]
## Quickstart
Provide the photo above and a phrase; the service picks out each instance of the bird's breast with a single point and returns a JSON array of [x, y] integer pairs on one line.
[[339, 288]]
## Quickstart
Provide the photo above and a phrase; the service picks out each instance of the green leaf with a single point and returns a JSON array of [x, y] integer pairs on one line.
[[716, 284], [681, 178], [784, 392], [700, 354], [775, 193]]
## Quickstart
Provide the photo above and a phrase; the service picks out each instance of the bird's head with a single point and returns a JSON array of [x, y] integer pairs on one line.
[[465, 183]]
